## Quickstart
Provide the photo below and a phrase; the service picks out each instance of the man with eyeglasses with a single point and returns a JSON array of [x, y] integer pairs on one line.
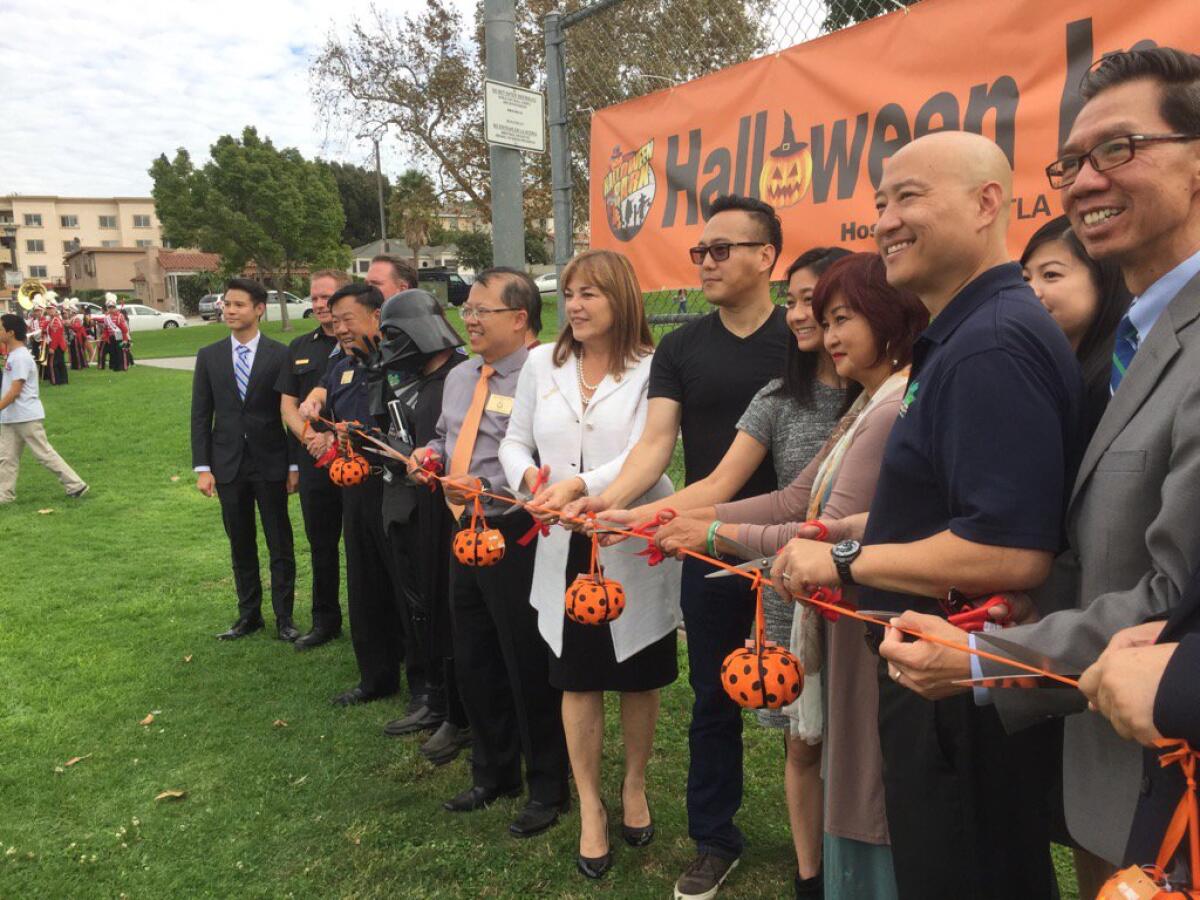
[[1130, 180], [703, 377], [501, 659]]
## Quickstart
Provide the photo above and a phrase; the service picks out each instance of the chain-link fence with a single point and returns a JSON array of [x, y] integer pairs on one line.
[[607, 51]]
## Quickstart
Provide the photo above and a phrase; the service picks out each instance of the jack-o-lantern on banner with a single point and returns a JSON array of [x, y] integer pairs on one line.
[[786, 177]]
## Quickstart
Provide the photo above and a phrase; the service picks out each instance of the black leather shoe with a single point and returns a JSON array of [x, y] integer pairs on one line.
[[316, 638], [286, 631], [536, 817], [240, 629], [478, 798], [352, 697], [424, 719], [445, 745], [636, 837], [594, 868]]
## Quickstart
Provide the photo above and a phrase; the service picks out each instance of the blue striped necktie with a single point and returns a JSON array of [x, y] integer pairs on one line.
[[1124, 347], [241, 369]]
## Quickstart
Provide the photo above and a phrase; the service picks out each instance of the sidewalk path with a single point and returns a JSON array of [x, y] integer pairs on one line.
[[183, 363]]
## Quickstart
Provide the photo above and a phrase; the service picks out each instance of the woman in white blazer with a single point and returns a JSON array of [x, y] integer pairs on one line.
[[579, 409]]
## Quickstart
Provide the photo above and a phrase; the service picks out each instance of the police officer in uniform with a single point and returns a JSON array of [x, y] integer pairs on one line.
[[372, 584], [309, 356], [419, 349]]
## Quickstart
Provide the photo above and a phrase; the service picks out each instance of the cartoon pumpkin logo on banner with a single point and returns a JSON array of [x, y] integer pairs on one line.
[[786, 177], [629, 190]]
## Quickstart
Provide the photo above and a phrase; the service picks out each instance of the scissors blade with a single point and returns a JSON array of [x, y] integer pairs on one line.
[[885, 614], [1018, 680], [741, 549], [762, 564], [1029, 657]]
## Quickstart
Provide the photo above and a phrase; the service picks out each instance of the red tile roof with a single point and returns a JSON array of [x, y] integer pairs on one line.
[[188, 261]]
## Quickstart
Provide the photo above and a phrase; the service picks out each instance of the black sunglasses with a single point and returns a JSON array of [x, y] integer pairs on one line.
[[720, 252]]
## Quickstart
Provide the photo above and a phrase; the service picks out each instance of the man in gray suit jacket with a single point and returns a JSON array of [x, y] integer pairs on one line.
[[1130, 182]]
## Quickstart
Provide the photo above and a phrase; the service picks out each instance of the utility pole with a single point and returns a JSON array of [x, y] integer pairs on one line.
[[508, 216], [379, 186]]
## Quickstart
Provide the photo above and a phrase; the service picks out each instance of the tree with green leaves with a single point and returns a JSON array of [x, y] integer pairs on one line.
[[358, 189], [414, 210], [842, 13], [252, 203], [475, 247]]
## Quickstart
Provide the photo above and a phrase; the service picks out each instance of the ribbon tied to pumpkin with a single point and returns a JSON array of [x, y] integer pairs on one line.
[[593, 599], [761, 675]]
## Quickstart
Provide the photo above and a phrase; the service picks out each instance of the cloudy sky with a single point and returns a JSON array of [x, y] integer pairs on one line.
[[100, 89]]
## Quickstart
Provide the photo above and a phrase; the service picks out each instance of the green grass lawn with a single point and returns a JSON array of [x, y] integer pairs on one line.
[[108, 613]]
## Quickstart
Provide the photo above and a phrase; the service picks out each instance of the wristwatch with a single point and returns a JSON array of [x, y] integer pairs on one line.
[[844, 553]]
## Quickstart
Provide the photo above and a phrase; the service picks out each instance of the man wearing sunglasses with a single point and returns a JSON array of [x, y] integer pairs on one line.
[[702, 379]]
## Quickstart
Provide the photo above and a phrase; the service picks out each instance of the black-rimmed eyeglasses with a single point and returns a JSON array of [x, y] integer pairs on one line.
[[1109, 154], [720, 252]]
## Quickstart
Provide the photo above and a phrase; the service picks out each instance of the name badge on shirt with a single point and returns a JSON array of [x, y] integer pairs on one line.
[[500, 405], [347, 376], [301, 362]]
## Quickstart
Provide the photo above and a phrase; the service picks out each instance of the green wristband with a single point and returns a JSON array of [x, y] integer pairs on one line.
[[710, 541]]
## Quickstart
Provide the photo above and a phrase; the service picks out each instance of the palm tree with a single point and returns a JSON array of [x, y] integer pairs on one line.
[[414, 208]]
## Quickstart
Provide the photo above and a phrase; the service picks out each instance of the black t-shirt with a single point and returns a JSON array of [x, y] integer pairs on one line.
[[988, 436], [713, 375], [308, 359]]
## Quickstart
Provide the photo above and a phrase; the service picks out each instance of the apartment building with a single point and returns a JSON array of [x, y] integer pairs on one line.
[[46, 229]]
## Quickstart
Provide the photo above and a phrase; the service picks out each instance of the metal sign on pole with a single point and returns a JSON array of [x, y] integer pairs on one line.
[[514, 116], [508, 218]]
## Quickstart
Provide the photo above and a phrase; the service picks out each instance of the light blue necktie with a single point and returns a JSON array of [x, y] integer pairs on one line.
[[241, 369], [1124, 347]]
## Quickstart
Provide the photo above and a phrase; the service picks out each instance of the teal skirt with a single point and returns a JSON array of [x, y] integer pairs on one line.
[[856, 870]]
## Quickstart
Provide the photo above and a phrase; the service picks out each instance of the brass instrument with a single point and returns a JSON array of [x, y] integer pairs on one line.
[[29, 289]]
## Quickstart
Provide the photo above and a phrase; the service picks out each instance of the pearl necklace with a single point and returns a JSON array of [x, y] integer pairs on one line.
[[590, 388]]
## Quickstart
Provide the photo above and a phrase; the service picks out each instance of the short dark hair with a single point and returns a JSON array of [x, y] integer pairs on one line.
[[761, 212], [895, 316], [1113, 299], [401, 270], [1176, 71], [15, 324], [366, 295], [519, 292], [258, 293], [800, 369]]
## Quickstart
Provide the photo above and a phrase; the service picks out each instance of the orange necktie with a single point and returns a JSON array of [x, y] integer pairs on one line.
[[464, 446]]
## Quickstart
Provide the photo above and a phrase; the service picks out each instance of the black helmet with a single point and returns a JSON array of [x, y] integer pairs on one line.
[[414, 329]]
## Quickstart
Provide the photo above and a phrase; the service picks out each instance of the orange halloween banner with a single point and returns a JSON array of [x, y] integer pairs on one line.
[[808, 129]]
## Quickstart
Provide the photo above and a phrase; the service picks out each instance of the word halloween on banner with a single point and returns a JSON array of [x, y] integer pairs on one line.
[[809, 129]]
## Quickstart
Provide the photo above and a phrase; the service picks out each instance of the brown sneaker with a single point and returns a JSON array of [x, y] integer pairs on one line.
[[702, 879]]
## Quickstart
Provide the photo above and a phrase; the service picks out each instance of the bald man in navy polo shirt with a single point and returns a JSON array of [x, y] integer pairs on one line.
[[970, 497]]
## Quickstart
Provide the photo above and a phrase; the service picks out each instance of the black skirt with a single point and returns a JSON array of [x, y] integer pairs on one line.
[[589, 662]]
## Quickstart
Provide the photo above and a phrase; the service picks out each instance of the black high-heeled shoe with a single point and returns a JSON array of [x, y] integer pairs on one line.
[[636, 837], [595, 867]]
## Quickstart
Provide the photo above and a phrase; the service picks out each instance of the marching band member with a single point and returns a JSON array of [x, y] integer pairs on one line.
[[115, 336], [79, 336], [54, 368]]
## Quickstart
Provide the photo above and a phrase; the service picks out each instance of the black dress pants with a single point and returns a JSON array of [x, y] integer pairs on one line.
[[412, 606], [502, 672], [321, 504], [118, 359], [969, 806], [371, 600], [238, 499]]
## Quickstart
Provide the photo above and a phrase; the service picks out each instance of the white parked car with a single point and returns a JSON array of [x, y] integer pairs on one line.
[[145, 318], [296, 308], [548, 283]]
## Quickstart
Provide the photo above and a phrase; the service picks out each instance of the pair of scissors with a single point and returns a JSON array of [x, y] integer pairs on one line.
[[754, 560], [972, 616]]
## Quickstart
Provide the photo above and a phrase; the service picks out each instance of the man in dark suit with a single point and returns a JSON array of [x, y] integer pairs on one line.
[[239, 450], [1147, 684]]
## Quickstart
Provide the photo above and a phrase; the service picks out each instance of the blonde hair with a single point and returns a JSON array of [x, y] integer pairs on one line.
[[340, 277], [629, 339]]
